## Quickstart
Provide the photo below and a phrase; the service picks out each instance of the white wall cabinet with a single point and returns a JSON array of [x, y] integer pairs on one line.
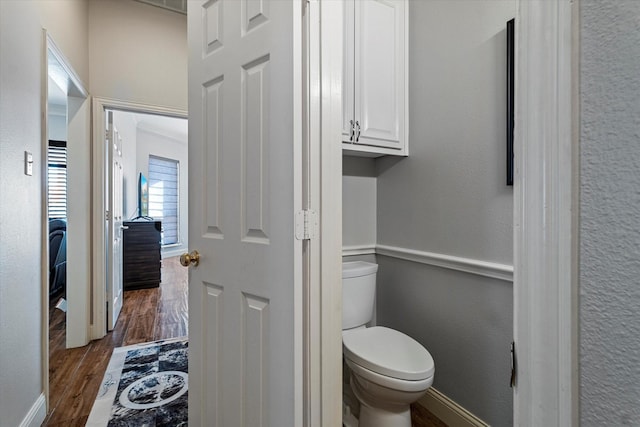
[[375, 78]]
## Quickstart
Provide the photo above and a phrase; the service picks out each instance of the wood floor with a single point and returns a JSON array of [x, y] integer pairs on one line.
[[147, 315]]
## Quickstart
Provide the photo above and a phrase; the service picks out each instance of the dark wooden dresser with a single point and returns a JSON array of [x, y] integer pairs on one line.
[[141, 254]]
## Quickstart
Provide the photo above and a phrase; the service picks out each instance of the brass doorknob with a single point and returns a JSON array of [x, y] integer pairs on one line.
[[190, 258]]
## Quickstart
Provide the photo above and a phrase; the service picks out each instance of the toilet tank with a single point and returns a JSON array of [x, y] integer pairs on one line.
[[358, 293]]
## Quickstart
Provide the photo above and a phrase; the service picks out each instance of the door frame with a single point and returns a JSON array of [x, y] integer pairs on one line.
[[322, 356], [546, 190], [78, 308], [99, 176]]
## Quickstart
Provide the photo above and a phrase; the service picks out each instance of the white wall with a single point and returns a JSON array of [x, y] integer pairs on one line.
[[57, 125], [57, 119], [151, 143], [138, 53], [20, 211], [449, 197], [609, 213], [67, 22]]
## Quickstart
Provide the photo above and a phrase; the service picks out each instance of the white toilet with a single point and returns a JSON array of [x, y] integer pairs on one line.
[[389, 370]]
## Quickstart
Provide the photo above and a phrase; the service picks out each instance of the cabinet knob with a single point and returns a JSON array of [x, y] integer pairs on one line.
[[190, 258]]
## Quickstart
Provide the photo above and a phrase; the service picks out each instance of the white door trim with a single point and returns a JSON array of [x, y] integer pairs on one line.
[[99, 320], [77, 314], [323, 329], [545, 214]]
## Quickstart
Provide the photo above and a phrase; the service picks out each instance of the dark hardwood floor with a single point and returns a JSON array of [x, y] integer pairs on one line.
[[147, 315]]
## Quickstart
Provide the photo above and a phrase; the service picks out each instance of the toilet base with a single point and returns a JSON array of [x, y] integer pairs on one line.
[[376, 417], [374, 413]]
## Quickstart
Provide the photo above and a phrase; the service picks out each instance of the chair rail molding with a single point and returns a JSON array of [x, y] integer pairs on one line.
[[467, 265], [545, 213], [354, 250], [451, 262]]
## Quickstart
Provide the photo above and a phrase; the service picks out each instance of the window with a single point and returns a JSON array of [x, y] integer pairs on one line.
[[57, 179], [163, 196]]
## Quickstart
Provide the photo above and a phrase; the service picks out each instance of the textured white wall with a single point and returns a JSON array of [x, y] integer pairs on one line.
[[449, 197], [20, 210], [138, 53], [610, 213]]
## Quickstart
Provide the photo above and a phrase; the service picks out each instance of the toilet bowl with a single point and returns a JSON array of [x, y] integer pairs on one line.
[[389, 370]]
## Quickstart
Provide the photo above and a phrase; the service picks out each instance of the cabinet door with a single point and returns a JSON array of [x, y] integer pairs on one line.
[[380, 72], [348, 76]]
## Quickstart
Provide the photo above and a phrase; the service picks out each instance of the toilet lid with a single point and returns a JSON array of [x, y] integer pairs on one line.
[[388, 352]]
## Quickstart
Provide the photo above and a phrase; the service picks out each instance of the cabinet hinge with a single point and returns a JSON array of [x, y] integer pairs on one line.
[[306, 225], [514, 366]]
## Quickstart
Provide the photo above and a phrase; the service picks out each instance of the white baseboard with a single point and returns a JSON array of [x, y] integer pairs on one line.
[[36, 414], [448, 411]]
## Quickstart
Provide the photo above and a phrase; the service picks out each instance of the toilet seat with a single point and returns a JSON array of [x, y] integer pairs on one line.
[[389, 353], [407, 386]]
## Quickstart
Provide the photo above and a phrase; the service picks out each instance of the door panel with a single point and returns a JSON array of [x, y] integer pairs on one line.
[[115, 208], [379, 100], [242, 170]]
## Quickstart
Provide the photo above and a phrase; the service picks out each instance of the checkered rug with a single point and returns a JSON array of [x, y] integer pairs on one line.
[[144, 385]]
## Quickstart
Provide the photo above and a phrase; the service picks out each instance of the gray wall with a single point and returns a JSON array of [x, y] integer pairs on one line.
[[449, 197], [610, 213], [359, 190], [20, 210]]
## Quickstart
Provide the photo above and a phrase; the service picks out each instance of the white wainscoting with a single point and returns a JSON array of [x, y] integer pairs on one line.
[[467, 265]]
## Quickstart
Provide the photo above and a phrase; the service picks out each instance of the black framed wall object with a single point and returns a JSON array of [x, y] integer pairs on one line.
[[510, 97], [141, 254]]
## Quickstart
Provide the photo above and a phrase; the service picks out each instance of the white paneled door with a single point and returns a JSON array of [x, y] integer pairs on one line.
[[244, 189], [114, 223]]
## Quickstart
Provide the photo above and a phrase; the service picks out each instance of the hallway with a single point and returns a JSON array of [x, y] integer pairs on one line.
[[147, 315]]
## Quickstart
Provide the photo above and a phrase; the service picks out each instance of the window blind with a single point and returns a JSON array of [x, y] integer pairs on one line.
[[57, 179], [164, 197]]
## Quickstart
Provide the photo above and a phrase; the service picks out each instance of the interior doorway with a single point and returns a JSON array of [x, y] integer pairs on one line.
[[146, 192], [151, 144]]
